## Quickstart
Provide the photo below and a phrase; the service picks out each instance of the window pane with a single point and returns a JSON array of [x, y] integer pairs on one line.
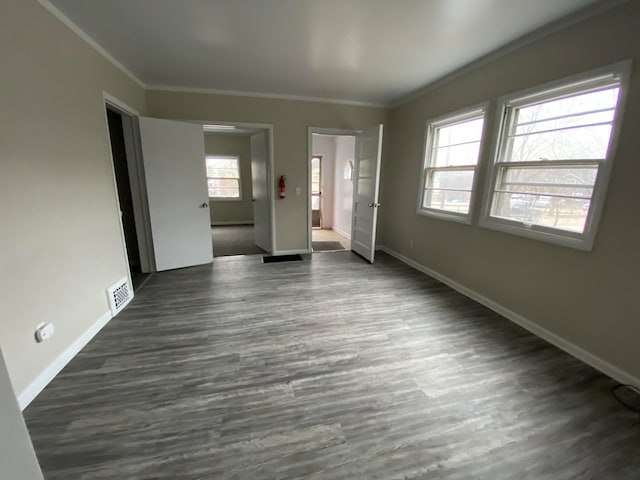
[[220, 192], [567, 214], [315, 175], [564, 142], [575, 144], [454, 144], [223, 188], [365, 168], [222, 172], [565, 122], [569, 181], [223, 182], [315, 202], [469, 131], [451, 179], [584, 102], [223, 167], [448, 200], [458, 155], [365, 187]]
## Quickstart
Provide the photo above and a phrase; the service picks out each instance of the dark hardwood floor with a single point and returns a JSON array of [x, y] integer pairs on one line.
[[234, 240], [329, 368]]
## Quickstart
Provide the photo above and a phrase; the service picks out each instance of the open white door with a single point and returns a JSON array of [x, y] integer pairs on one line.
[[260, 187], [366, 176], [175, 174]]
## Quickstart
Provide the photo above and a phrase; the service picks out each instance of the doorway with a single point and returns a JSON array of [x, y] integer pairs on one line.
[[331, 191], [316, 192], [238, 164], [127, 175]]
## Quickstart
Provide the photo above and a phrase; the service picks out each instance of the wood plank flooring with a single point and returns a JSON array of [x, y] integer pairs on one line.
[[329, 368], [234, 240]]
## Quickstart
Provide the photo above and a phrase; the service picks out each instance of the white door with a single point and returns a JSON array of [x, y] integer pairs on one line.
[[176, 179], [260, 185], [366, 176]]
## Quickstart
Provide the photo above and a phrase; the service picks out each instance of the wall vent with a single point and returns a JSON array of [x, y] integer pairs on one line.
[[119, 294]]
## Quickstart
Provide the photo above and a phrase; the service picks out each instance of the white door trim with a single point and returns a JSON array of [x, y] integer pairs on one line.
[[310, 132], [136, 180]]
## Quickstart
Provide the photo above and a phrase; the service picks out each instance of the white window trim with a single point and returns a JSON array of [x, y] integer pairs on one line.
[[580, 241], [480, 109], [227, 199]]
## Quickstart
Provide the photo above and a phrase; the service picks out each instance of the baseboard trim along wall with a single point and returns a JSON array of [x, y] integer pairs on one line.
[[344, 234], [291, 252], [232, 222], [49, 373], [581, 354]]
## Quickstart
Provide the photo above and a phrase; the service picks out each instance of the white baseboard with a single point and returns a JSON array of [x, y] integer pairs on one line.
[[596, 362], [291, 252], [343, 233], [232, 222], [49, 373]]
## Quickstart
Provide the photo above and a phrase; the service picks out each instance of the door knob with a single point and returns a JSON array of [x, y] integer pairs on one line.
[[375, 205], [204, 205]]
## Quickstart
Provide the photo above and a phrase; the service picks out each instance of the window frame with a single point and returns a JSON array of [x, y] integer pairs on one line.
[[479, 110], [573, 85], [225, 199]]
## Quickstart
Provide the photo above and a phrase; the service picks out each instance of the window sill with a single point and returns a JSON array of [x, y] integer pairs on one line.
[[582, 242], [444, 215]]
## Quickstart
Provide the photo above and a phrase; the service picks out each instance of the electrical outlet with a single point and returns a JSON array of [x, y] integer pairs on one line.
[[298, 191], [44, 332]]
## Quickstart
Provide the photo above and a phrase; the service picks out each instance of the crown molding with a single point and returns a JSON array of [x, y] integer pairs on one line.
[[545, 31], [558, 25], [275, 96], [170, 88], [84, 36]]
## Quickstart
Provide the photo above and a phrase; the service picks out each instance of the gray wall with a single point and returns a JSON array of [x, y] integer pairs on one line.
[[291, 119], [61, 242], [586, 298], [17, 458], [231, 211]]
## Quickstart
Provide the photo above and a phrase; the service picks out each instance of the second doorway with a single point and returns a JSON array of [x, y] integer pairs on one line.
[[331, 193]]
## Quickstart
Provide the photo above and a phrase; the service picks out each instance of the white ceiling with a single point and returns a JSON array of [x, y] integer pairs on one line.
[[372, 51]]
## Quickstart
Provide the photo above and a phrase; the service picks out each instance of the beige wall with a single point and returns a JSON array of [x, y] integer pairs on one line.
[[586, 298], [290, 120], [61, 244], [229, 211], [17, 458]]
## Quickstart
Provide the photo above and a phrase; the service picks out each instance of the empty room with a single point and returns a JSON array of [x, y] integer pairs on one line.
[[429, 239]]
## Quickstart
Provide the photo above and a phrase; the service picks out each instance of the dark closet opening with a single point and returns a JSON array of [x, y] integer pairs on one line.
[[121, 169]]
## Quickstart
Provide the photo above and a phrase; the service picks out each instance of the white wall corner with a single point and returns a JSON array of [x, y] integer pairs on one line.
[[49, 373], [343, 233], [572, 349]]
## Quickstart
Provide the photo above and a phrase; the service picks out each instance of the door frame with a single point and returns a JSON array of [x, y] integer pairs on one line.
[[319, 131], [270, 167], [137, 184]]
